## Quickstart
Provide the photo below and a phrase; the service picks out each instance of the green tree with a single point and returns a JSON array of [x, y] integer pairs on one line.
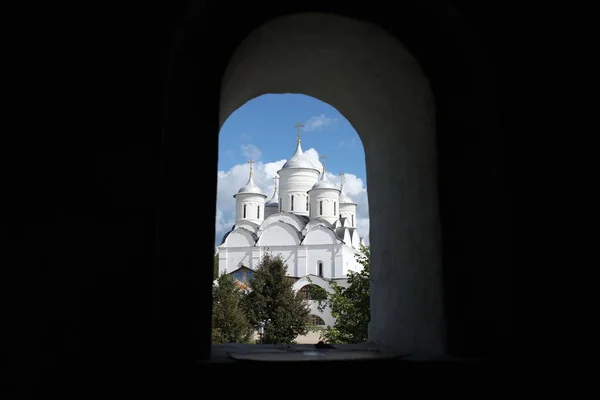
[[350, 306], [230, 324], [272, 300], [216, 266]]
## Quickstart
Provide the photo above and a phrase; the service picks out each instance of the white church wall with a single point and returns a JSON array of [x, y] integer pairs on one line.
[[349, 211], [324, 204], [340, 260], [302, 260], [296, 182], [320, 254], [289, 257], [252, 202], [347, 238], [350, 263], [233, 258], [355, 240]]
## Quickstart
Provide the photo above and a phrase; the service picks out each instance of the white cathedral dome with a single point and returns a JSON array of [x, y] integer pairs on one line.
[[344, 199], [324, 183], [274, 200], [250, 188], [272, 203], [299, 160]]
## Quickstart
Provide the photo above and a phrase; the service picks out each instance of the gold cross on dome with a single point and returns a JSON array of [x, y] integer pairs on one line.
[[251, 162], [323, 157], [298, 125]]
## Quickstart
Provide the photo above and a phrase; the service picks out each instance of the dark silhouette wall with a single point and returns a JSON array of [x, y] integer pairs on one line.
[[105, 230]]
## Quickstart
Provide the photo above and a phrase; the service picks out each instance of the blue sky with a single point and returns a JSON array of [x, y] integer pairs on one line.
[[263, 130], [268, 123]]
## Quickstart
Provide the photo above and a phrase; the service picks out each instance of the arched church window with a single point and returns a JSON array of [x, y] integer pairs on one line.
[[315, 320], [334, 210], [305, 292], [352, 219], [320, 269], [306, 203], [292, 203], [258, 212], [321, 207], [244, 211]]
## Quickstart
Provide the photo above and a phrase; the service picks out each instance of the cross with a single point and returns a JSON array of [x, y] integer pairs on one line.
[[298, 125], [250, 162], [323, 157], [341, 180]]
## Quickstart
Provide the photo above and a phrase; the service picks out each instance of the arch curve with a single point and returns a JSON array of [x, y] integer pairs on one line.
[[314, 280], [279, 234], [370, 77]]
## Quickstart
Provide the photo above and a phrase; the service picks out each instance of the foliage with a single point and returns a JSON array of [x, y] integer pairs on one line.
[[350, 305], [316, 292], [216, 266], [230, 324], [272, 300]]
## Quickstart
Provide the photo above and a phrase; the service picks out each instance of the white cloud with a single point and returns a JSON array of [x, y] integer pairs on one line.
[[318, 122], [229, 182]]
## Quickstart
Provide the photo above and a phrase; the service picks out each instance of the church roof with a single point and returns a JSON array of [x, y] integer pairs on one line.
[[344, 199], [233, 228], [340, 231], [324, 183], [250, 188], [299, 160], [273, 201]]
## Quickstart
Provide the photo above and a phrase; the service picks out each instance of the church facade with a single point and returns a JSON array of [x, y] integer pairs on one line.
[[309, 221]]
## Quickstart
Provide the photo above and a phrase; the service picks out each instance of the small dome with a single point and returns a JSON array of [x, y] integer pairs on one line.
[[344, 199], [274, 200], [324, 183], [298, 160], [272, 203], [250, 188]]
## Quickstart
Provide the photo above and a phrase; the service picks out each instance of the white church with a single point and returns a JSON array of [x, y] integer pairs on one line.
[[308, 220]]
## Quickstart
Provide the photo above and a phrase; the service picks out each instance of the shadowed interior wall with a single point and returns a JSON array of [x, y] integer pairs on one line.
[[113, 214]]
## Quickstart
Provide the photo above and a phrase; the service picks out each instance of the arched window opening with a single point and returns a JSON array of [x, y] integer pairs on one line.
[[320, 269], [244, 211], [292, 206], [352, 219], [315, 320], [321, 207], [334, 208], [306, 203], [280, 205], [305, 292], [258, 212]]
